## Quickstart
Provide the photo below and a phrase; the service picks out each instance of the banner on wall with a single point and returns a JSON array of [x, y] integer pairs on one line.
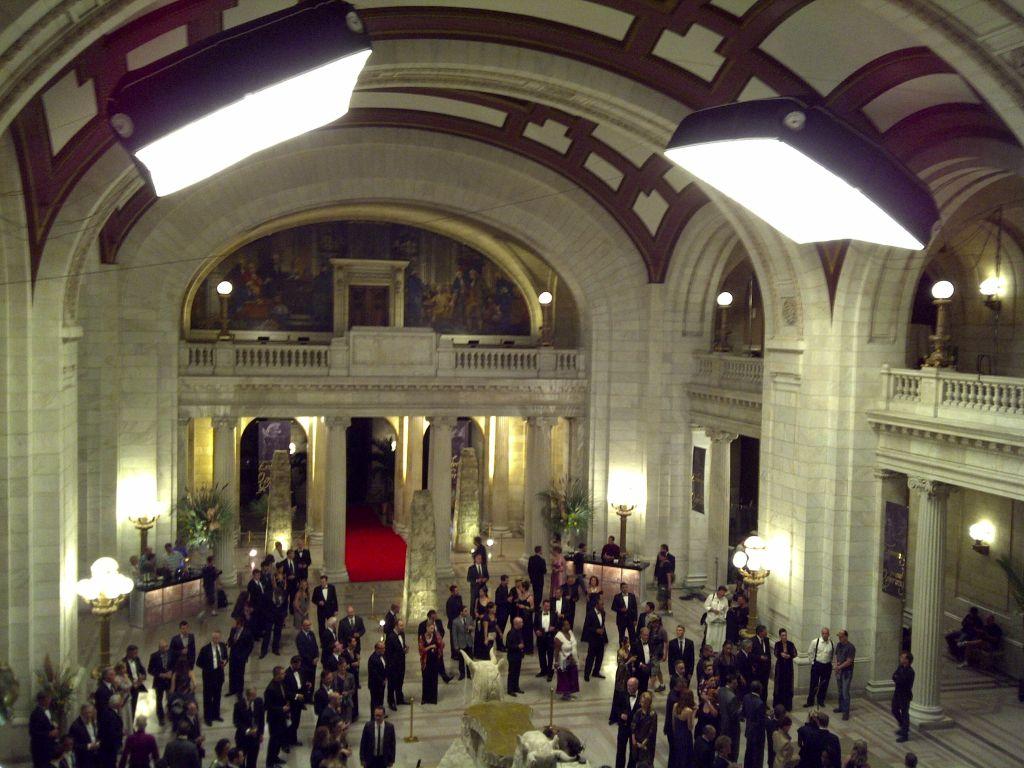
[[894, 550], [697, 480], [273, 436]]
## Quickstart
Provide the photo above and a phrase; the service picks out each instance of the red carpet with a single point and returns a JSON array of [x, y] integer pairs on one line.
[[373, 552]]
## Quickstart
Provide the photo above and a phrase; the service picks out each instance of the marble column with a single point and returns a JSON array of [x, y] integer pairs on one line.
[[224, 443], [400, 523], [717, 490], [538, 479], [183, 476], [440, 485], [414, 463], [889, 487], [929, 577], [497, 485], [336, 501]]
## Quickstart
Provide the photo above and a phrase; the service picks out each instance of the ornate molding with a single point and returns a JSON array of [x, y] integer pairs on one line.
[[933, 488], [969, 439], [719, 435], [223, 422], [335, 422]]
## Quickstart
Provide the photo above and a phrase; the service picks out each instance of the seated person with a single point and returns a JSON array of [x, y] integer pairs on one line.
[[969, 629], [988, 640], [610, 552]]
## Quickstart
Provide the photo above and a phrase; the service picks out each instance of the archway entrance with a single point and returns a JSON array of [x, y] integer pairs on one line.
[[261, 439]]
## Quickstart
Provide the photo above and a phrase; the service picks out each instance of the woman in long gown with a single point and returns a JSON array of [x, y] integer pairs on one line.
[[183, 691], [557, 570], [645, 730], [524, 610], [684, 716], [593, 591], [625, 665], [566, 661], [727, 664], [785, 652], [707, 712], [300, 605], [481, 629], [431, 653]]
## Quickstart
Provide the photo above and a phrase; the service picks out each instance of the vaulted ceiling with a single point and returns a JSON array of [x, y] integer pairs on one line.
[[589, 88]]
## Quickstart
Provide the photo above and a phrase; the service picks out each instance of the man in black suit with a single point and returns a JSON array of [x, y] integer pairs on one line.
[[248, 719], [299, 691], [595, 635], [515, 645], [291, 576], [160, 668], [325, 597], [183, 644], [477, 577], [756, 717], [195, 730], [664, 576], [111, 732], [377, 676], [624, 705], [431, 617], [761, 657], [240, 645], [479, 549], [104, 689], [545, 625], [351, 626], [86, 735], [328, 638], [704, 747], [309, 651], [390, 619], [453, 606], [181, 751], [810, 742], [395, 649], [829, 741], [213, 658], [729, 707], [571, 591], [644, 652], [502, 609], [536, 569], [624, 606], [275, 701], [578, 558], [136, 674], [377, 744], [681, 649], [646, 614], [303, 560], [903, 693], [42, 732]]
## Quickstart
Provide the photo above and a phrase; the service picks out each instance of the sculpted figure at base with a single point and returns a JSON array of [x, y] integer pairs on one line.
[[487, 673], [547, 748]]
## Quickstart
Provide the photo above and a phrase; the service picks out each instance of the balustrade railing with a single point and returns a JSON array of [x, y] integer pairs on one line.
[[729, 372], [943, 394]]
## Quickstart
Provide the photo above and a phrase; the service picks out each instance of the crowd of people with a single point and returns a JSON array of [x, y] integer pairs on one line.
[[715, 687]]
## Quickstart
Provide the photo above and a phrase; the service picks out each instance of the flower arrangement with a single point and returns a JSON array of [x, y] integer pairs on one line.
[[568, 507], [60, 683], [203, 513], [8, 693]]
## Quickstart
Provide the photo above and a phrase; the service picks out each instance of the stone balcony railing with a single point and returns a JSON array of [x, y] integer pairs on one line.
[[393, 352], [722, 371], [995, 402]]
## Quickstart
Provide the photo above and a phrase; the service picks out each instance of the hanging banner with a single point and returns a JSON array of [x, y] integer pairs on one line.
[[697, 480], [894, 550]]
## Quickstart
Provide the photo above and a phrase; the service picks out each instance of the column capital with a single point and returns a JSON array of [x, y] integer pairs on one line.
[[933, 488], [542, 422], [443, 422], [886, 474], [719, 435], [337, 422], [184, 419], [224, 422]]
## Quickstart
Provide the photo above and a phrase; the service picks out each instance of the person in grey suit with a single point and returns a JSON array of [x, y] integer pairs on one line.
[[729, 714], [462, 639], [182, 751]]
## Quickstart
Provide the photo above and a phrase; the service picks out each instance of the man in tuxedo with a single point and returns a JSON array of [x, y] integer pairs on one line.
[[645, 660], [86, 735], [390, 619], [903, 694], [761, 657], [395, 649], [829, 741], [303, 560], [275, 701], [501, 610], [160, 668], [545, 625], [681, 649], [646, 614], [321, 697], [479, 548], [477, 577], [571, 594], [595, 635], [325, 597], [514, 648], [42, 732], [240, 645], [309, 651], [377, 743], [431, 618], [664, 576], [104, 689], [328, 637], [195, 730], [704, 747], [351, 626], [536, 569], [453, 606], [248, 719], [624, 705], [624, 606], [110, 727], [291, 576], [299, 691], [180, 751], [213, 658], [729, 706], [377, 676], [136, 674], [278, 611], [756, 717], [333, 659], [182, 645]]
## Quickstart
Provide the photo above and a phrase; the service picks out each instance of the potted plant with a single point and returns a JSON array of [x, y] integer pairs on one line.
[[203, 514], [60, 683], [568, 508], [8, 693]]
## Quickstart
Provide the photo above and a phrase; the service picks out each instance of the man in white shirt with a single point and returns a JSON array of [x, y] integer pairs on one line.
[[87, 742], [716, 607], [171, 560], [820, 652]]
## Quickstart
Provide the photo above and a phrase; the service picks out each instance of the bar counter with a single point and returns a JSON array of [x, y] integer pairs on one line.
[[611, 575], [158, 602]]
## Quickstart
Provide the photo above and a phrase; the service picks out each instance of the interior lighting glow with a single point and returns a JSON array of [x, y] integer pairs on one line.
[[983, 531], [224, 288], [259, 120], [993, 286], [942, 290], [544, 298], [724, 299]]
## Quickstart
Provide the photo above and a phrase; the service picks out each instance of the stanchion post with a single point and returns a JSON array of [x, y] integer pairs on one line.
[[551, 709], [411, 738]]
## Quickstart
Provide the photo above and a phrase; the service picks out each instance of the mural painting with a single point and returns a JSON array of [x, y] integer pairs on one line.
[[284, 282]]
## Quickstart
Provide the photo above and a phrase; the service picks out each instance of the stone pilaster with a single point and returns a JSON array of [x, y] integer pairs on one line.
[[717, 505], [538, 479], [224, 442], [336, 503], [440, 485], [497, 484], [183, 470], [929, 574], [889, 487], [414, 463]]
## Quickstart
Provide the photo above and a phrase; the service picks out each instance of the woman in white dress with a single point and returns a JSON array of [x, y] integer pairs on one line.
[[716, 607], [566, 655]]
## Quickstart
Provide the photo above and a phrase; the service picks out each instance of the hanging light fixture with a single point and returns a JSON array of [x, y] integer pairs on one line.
[[196, 112], [809, 175]]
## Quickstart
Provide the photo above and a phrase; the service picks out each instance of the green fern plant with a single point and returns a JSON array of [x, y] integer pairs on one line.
[[568, 508], [203, 513]]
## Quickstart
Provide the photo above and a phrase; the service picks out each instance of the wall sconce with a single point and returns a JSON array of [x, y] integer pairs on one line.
[[992, 288], [983, 533], [724, 301], [940, 357]]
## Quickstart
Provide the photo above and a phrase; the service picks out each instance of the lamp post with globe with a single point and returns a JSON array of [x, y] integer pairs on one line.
[[143, 523], [751, 559], [224, 289], [104, 591]]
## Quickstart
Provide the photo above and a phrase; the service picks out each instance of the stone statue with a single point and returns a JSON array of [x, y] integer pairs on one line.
[[486, 673], [279, 499], [547, 748], [420, 590], [467, 500]]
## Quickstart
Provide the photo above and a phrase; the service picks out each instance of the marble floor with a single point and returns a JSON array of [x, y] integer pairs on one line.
[[987, 732]]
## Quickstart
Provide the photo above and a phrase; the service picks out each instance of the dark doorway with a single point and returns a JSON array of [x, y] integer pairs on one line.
[[260, 439], [372, 449], [745, 458]]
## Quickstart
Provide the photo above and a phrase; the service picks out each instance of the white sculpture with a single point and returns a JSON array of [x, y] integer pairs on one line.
[[534, 749], [486, 674]]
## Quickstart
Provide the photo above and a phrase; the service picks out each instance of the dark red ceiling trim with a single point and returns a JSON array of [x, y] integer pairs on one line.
[[832, 255], [924, 130], [116, 228]]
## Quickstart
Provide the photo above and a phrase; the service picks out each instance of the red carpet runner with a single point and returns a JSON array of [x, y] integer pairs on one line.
[[373, 552]]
